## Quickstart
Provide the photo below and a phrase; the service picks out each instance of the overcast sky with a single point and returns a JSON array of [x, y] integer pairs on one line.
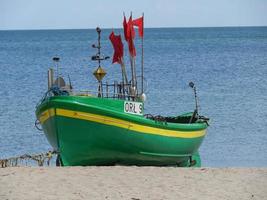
[[69, 14]]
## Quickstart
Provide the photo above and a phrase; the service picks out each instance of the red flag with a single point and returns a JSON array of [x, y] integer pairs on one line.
[[130, 37], [125, 28], [118, 47], [131, 47], [130, 29], [140, 24]]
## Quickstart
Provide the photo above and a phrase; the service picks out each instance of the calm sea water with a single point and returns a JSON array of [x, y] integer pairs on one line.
[[228, 66]]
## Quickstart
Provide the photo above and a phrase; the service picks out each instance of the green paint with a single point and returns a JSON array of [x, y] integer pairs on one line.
[[82, 142]]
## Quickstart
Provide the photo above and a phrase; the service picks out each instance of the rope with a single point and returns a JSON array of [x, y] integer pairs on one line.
[[41, 159], [157, 118]]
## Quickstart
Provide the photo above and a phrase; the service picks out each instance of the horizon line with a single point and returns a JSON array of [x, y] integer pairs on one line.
[[165, 27]]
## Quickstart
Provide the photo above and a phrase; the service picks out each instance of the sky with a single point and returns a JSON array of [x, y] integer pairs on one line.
[[83, 14]]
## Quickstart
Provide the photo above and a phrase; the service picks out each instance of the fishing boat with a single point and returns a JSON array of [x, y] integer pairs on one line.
[[110, 126]]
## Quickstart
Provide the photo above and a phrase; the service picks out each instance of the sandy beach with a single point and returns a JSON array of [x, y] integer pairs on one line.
[[133, 183]]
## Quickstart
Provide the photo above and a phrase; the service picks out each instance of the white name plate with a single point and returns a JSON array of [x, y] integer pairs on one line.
[[135, 108]]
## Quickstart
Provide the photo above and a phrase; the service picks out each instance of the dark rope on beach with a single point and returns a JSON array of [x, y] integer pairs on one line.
[[41, 159]]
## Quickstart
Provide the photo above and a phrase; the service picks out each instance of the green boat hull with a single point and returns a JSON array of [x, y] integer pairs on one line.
[[96, 131]]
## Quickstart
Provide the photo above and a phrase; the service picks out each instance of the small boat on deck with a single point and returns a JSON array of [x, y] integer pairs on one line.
[[111, 128]]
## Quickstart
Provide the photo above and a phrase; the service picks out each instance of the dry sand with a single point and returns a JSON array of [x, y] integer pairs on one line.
[[133, 183]]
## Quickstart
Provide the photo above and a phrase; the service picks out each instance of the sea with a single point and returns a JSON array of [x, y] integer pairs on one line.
[[228, 66]]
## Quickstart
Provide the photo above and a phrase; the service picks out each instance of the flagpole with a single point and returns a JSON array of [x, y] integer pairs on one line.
[[134, 88], [142, 58], [135, 81], [125, 80], [124, 71], [132, 70], [122, 74]]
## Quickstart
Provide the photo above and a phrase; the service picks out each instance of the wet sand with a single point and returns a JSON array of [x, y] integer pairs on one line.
[[133, 183]]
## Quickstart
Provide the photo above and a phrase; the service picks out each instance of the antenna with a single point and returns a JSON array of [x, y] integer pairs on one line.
[[98, 57], [192, 85], [70, 82], [99, 73]]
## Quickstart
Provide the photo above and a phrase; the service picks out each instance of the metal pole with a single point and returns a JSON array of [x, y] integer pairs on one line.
[[195, 93], [142, 58], [50, 78], [132, 70], [125, 84], [98, 47], [124, 71], [56, 60], [133, 66], [132, 58], [99, 89], [107, 89], [135, 81]]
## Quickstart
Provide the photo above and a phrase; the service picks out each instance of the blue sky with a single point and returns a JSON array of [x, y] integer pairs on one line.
[[69, 14]]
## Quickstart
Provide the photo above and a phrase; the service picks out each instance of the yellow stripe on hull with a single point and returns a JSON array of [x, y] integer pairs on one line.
[[46, 115], [121, 123]]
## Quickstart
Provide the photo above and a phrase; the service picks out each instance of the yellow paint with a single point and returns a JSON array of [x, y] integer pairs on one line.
[[128, 125], [46, 114], [119, 123]]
